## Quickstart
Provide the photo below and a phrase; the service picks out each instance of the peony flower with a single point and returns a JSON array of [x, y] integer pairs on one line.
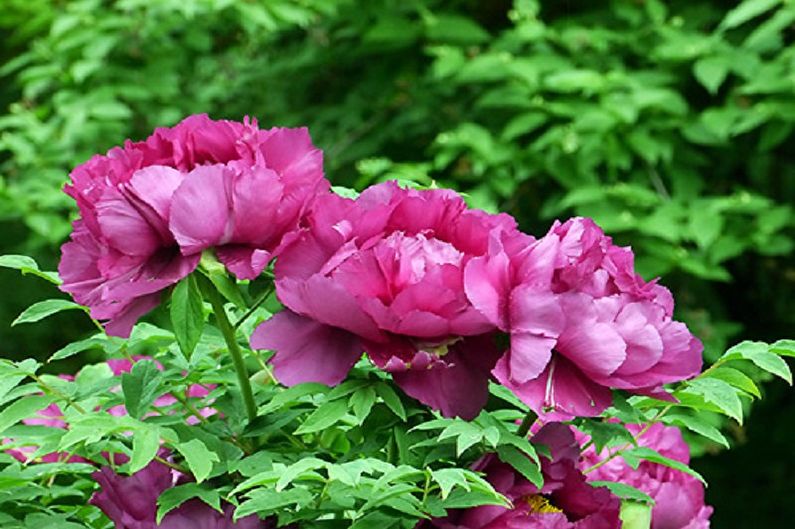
[[384, 274], [131, 503], [678, 497], [566, 500], [148, 210], [581, 321]]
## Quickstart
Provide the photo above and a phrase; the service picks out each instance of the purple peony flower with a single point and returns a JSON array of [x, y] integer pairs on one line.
[[384, 274], [131, 502], [581, 321], [148, 209], [678, 497], [566, 501]]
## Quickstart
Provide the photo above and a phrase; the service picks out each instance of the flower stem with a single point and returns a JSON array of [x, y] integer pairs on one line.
[[527, 422], [234, 348], [260, 300]]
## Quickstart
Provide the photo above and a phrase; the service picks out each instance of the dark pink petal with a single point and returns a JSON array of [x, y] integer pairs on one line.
[[458, 386], [537, 311], [124, 227], [122, 323], [307, 351], [256, 193]]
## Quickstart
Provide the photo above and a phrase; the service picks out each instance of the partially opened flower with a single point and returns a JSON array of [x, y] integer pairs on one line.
[[384, 274], [678, 497], [149, 208], [131, 502], [581, 321], [566, 500]]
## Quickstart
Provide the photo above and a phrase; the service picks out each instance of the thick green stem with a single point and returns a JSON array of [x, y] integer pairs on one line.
[[527, 422], [234, 348]]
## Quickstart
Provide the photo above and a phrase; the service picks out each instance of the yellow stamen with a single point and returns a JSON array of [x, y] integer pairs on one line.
[[540, 504]]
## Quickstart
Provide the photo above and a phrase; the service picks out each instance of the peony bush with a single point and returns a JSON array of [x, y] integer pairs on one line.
[[331, 359]]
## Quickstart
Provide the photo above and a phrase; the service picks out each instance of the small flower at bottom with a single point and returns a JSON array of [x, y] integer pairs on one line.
[[566, 500], [678, 497]]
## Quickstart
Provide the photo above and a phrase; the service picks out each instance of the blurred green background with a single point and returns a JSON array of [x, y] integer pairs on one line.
[[670, 123]]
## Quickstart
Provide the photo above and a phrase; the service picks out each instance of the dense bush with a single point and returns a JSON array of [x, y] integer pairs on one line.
[[670, 123]]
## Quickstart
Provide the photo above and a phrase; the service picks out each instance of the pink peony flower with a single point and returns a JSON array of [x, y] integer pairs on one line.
[[581, 321], [384, 274], [148, 209], [566, 500], [678, 497], [131, 502]]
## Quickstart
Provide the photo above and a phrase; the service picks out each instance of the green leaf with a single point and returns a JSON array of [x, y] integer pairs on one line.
[[27, 265], [736, 378], [449, 478], [78, 347], [759, 353], [633, 457], [140, 387], [361, 402], [391, 399], [146, 442], [323, 417], [624, 491], [747, 10], [522, 463], [695, 424], [297, 469], [503, 393], [293, 395], [635, 515], [198, 457], [718, 393], [264, 501], [605, 433], [173, 497], [784, 348], [187, 314], [345, 192], [42, 309], [711, 72], [22, 409]]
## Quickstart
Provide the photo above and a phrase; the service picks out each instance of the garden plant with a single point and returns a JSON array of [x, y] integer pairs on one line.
[[393, 358], [451, 307]]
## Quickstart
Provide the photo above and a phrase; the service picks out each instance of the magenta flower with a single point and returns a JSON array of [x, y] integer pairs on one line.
[[678, 497], [131, 502], [148, 209], [566, 500], [384, 274], [581, 321]]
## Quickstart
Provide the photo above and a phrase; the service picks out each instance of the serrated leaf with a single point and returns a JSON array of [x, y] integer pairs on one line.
[[22, 409], [27, 265], [198, 457], [720, 394], [633, 457], [624, 491], [140, 387], [326, 415], [522, 463], [146, 442], [449, 478], [173, 497], [391, 399], [42, 309], [187, 314]]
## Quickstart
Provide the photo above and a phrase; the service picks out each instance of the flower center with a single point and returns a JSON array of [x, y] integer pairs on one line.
[[539, 504]]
